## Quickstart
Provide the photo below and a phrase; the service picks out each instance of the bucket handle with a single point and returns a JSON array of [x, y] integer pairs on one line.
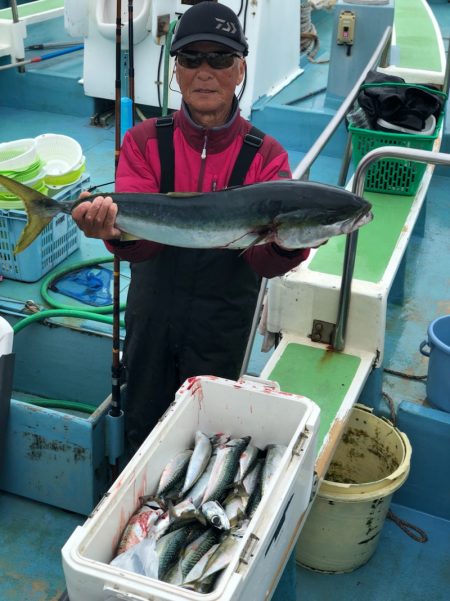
[[422, 346]]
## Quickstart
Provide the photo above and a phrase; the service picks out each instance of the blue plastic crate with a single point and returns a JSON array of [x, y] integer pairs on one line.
[[58, 240]]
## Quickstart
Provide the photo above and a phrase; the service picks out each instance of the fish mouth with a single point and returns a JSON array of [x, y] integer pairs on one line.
[[364, 218], [354, 223]]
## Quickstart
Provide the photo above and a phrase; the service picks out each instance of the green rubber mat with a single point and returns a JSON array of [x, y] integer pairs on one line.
[[372, 257], [32, 8], [415, 36], [322, 376]]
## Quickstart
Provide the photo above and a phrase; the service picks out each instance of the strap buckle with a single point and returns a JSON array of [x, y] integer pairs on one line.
[[253, 140], [164, 122]]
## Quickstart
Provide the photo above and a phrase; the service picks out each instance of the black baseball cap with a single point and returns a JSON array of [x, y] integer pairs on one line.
[[209, 22]]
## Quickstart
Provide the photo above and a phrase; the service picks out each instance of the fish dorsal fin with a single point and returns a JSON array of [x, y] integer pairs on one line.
[[183, 194]]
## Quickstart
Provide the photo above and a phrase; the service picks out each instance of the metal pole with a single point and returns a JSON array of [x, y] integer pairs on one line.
[[256, 316], [411, 154], [15, 17], [345, 161], [446, 81]]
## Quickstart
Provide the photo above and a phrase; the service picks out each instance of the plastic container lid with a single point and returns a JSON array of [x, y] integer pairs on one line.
[[61, 154], [428, 130], [17, 155]]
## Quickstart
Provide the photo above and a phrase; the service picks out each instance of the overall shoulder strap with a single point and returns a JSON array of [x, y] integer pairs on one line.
[[164, 133], [252, 142]]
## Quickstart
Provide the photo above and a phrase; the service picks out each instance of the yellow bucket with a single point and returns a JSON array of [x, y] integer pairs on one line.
[[371, 462]]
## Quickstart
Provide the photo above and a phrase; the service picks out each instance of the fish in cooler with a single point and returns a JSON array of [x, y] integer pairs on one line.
[[190, 542]]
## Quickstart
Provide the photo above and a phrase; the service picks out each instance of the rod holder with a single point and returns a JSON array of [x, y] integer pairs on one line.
[[115, 437]]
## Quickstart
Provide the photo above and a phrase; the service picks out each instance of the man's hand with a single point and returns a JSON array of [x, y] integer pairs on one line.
[[97, 219]]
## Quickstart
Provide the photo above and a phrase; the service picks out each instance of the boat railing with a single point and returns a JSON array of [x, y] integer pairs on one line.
[[384, 152], [378, 58]]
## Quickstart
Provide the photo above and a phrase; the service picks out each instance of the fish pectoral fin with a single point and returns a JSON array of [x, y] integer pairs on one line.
[[126, 237], [256, 241]]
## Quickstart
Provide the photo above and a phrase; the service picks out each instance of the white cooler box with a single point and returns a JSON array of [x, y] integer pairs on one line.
[[249, 407]]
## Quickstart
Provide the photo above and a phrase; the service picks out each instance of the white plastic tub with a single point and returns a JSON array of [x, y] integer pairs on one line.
[[250, 407]]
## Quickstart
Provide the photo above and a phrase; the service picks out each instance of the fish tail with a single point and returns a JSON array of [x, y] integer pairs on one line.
[[40, 211]]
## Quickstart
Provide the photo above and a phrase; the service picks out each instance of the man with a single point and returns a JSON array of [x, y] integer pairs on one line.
[[189, 311]]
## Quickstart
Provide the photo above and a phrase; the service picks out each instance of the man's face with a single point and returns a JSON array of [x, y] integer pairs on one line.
[[209, 92]]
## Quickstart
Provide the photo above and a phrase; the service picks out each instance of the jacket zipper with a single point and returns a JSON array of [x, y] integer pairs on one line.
[[202, 165]]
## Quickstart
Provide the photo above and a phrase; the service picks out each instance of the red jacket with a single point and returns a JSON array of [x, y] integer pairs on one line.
[[204, 160]]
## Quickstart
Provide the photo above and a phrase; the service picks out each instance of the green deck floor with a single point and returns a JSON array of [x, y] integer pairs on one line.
[[390, 213], [321, 375]]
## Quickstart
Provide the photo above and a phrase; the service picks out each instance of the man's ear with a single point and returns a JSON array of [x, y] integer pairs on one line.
[[242, 68]]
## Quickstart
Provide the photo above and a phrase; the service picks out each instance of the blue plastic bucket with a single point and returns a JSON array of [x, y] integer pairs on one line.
[[438, 380]]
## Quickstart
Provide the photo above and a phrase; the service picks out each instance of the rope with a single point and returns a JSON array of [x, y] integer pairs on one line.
[[410, 529], [421, 536], [390, 402], [309, 39], [403, 375]]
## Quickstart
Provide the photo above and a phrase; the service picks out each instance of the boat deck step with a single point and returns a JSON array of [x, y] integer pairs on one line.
[[33, 12], [333, 380], [421, 54]]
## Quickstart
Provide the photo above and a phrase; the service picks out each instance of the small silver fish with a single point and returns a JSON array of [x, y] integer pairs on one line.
[[198, 461], [246, 461], [197, 570], [174, 575], [168, 548], [224, 468], [274, 454], [235, 505], [197, 492], [197, 549], [222, 556], [174, 471], [251, 479]]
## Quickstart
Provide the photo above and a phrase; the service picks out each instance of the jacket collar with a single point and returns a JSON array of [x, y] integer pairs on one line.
[[218, 138]]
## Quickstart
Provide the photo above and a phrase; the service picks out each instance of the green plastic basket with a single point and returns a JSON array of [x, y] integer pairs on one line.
[[393, 176]]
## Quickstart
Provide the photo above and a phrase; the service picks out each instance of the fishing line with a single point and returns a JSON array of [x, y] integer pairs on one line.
[[158, 76], [92, 188], [245, 16]]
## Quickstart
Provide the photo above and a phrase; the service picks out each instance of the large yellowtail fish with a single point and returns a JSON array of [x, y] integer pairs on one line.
[[292, 213]]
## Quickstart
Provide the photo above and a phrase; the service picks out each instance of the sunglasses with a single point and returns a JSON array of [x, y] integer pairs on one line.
[[216, 60]]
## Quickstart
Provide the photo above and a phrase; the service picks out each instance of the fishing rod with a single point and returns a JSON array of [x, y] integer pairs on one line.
[[43, 57], [118, 82], [131, 58], [115, 433]]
